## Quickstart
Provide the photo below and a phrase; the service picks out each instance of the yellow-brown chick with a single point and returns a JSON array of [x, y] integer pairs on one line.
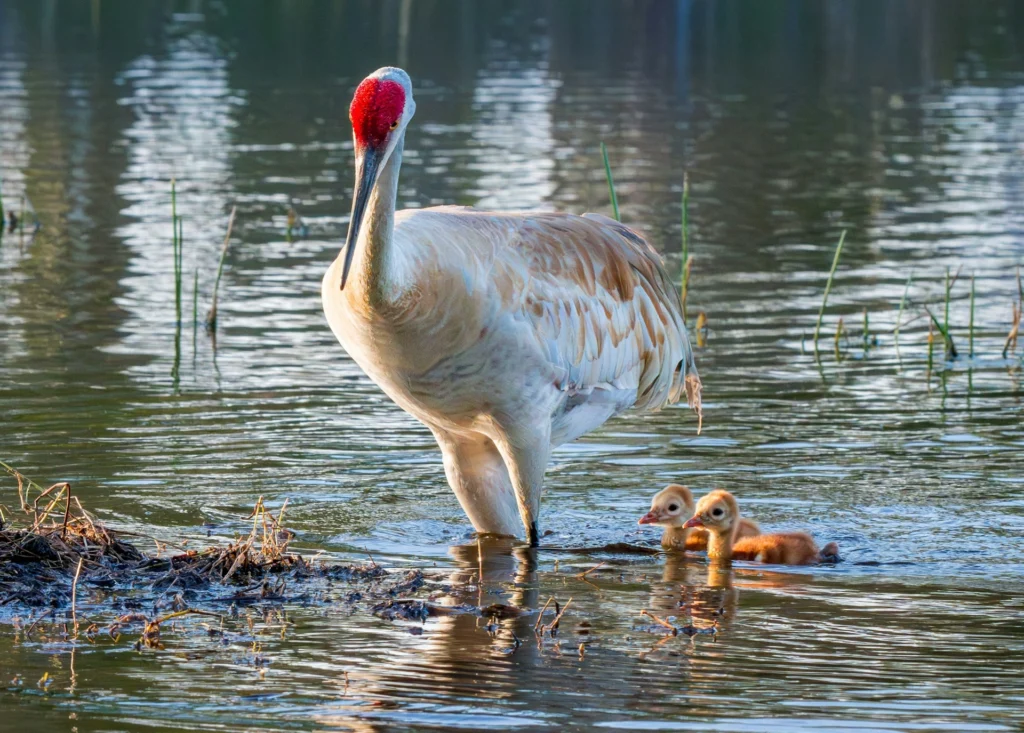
[[719, 514]]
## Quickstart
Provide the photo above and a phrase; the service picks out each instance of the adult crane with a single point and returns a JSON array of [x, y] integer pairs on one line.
[[506, 334]]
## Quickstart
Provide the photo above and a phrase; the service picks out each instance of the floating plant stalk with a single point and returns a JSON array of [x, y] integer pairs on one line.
[[611, 183], [828, 288], [21, 219], [211, 317], [866, 330]]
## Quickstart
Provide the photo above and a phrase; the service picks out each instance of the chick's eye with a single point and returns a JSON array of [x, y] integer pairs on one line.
[[717, 511], [673, 507]]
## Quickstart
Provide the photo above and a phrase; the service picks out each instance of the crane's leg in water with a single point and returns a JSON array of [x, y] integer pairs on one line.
[[526, 453], [477, 474]]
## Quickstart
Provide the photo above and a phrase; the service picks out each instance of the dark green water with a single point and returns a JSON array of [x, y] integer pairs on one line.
[[902, 122]]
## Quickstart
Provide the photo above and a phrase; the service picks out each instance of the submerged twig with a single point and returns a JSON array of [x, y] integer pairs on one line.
[[74, 596], [540, 616], [585, 573], [661, 622], [553, 626]]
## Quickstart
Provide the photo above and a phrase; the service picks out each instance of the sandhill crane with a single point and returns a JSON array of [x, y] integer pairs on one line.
[[506, 334]]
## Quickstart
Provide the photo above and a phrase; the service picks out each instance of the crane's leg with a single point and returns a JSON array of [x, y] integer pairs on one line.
[[526, 453], [477, 475]]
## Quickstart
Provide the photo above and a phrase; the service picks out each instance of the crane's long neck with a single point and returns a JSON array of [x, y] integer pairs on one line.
[[373, 266]]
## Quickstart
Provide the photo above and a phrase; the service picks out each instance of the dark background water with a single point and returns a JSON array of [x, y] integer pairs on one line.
[[901, 122]]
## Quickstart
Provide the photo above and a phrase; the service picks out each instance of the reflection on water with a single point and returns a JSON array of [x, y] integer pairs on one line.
[[899, 121]]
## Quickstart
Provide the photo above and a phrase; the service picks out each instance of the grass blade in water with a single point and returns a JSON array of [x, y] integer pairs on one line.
[[686, 263], [611, 183], [195, 307], [970, 331], [945, 322], [828, 288], [951, 351], [899, 315], [176, 249], [211, 317]]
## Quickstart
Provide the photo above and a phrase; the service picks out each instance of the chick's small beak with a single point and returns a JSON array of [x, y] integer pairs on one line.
[[650, 517], [694, 522]]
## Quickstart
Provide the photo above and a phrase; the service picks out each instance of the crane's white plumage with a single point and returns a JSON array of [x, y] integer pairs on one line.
[[505, 333]]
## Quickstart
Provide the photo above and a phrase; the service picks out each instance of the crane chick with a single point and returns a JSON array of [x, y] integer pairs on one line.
[[671, 507], [719, 514]]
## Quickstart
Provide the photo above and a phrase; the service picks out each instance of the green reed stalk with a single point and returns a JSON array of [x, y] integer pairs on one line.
[[195, 303], [21, 220], [867, 330], [828, 288], [175, 248], [950, 347], [177, 268], [686, 242], [899, 315], [970, 331], [931, 350], [686, 216], [945, 322], [611, 183], [211, 317]]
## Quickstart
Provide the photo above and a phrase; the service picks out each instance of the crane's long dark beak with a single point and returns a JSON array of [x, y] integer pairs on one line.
[[367, 168]]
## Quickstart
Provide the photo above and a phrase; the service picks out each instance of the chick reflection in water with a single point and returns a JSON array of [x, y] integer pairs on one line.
[[690, 589]]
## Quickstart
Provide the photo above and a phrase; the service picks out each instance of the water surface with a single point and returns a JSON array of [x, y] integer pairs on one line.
[[901, 122]]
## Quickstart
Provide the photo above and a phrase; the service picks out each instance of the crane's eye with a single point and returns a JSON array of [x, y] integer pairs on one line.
[[673, 507], [394, 125], [717, 512]]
